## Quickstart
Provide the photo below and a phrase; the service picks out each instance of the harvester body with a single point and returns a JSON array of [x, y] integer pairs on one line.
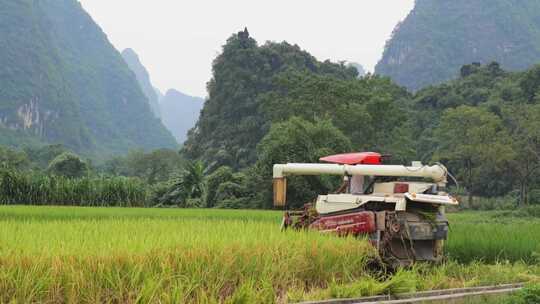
[[400, 209]]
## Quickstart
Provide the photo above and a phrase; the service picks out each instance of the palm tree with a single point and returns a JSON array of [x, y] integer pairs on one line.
[[187, 184]]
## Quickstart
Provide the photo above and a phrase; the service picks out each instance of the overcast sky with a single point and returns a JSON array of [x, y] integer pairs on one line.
[[177, 39]]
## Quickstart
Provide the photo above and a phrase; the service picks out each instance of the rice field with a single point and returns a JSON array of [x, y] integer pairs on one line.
[[115, 255], [493, 236]]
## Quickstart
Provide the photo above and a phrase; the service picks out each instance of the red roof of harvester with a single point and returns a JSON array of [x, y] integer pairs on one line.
[[362, 158]]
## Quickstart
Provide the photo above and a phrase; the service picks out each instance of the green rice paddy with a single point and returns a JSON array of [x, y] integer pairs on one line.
[[115, 255]]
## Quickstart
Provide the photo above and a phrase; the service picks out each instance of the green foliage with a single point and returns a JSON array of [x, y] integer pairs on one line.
[[255, 88], [530, 84], [297, 140], [235, 193], [152, 167], [187, 187], [530, 294], [439, 37], [12, 159], [38, 189], [230, 126], [482, 126], [524, 126], [301, 140], [41, 156], [213, 181], [534, 197], [469, 138], [486, 117], [68, 165], [371, 111]]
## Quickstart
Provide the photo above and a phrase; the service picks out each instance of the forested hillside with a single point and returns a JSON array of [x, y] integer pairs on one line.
[[255, 86], [275, 104], [61, 81], [438, 37], [486, 126]]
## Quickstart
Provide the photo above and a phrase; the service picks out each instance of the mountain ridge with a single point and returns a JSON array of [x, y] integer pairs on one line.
[[180, 112], [62, 81], [143, 77], [438, 37]]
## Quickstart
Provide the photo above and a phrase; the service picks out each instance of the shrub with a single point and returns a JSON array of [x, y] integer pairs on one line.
[[187, 184], [213, 181], [528, 295], [69, 165], [13, 159], [534, 197]]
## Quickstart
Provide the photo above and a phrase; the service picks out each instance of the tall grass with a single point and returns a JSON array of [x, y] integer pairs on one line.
[[38, 189]]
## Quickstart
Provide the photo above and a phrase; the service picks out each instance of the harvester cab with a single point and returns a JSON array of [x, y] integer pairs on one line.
[[400, 209]]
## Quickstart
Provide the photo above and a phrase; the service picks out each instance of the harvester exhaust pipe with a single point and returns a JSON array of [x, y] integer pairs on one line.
[[437, 173]]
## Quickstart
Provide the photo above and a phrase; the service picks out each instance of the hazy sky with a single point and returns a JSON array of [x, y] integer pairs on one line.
[[177, 39]]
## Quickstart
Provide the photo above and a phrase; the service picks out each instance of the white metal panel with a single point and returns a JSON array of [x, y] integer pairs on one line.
[[434, 199]]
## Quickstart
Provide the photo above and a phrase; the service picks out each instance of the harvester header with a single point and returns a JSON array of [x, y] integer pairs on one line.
[[437, 173]]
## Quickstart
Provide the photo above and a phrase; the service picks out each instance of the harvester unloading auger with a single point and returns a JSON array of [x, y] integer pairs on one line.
[[400, 209]]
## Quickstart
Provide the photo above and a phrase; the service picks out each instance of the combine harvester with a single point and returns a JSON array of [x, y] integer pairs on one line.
[[400, 209]]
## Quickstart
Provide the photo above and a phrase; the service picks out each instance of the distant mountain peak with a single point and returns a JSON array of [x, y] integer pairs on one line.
[[180, 112], [143, 77], [129, 52], [174, 92]]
